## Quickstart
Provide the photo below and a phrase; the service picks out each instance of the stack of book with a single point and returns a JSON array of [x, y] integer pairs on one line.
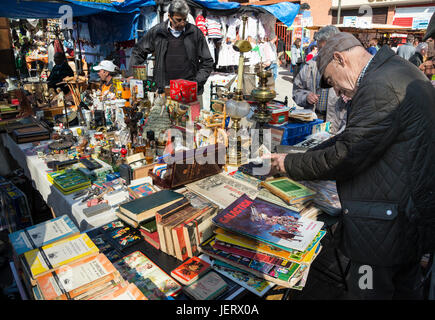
[[141, 212], [183, 225], [269, 241], [56, 262]]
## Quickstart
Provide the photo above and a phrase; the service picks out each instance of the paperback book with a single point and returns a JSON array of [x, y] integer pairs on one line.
[[268, 223], [290, 191], [190, 270], [207, 287], [42, 234]]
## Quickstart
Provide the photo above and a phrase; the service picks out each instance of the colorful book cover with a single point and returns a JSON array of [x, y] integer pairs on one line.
[[278, 275], [269, 223], [137, 265], [190, 270], [197, 230], [42, 234], [303, 257], [59, 253], [123, 237], [247, 280], [140, 190]]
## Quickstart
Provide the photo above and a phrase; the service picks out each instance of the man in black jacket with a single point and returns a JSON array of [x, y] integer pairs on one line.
[[383, 163], [180, 49]]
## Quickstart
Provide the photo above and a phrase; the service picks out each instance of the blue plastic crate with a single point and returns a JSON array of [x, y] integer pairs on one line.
[[296, 132]]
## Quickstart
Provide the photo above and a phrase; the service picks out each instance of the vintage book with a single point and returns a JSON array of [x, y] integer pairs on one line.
[[197, 230], [302, 257], [268, 196], [247, 280], [176, 219], [178, 240], [208, 287], [326, 197], [290, 191], [140, 190], [38, 262], [147, 225], [145, 208], [268, 223], [137, 265], [168, 215], [105, 247], [76, 278], [281, 276], [151, 237], [104, 288], [190, 270], [130, 292], [42, 234], [222, 189]]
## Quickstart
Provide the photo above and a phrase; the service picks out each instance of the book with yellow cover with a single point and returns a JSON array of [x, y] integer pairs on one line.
[[54, 255], [304, 257]]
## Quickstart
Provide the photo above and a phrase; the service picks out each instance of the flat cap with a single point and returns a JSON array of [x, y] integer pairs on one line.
[[430, 31], [338, 42]]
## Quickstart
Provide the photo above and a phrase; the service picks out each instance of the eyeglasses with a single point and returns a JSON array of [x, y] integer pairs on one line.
[[179, 20]]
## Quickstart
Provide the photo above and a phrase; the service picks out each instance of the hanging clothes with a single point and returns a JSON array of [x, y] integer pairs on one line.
[[214, 27], [201, 24]]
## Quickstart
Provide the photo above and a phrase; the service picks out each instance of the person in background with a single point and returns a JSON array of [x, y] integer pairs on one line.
[[420, 54], [60, 70], [296, 57], [308, 94], [372, 49], [106, 71], [312, 53], [416, 42], [407, 50], [280, 49], [180, 49], [428, 67]]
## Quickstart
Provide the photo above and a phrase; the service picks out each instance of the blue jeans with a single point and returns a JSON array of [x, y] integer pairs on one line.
[[274, 68]]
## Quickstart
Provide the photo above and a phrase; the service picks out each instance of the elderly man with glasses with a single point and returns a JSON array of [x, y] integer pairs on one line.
[[383, 163]]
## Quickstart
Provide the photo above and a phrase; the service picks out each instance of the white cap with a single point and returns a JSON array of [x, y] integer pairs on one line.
[[106, 65]]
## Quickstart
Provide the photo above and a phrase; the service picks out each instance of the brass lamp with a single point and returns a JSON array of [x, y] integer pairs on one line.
[[236, 110]]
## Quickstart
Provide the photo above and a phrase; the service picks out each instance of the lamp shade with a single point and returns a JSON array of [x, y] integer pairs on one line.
[[237, 109]]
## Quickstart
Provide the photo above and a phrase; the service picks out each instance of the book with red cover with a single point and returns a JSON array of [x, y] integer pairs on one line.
[[190, 270], [151, 237]]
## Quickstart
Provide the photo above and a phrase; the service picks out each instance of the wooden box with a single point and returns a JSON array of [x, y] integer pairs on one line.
[[192, 165]]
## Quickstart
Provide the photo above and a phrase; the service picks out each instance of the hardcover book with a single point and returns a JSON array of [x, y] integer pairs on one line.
[[207, 287], [136, 267], [151, 237], [42, 234], [145, 208], [74, 279], [54, 255], [268, 223], [190, 270], [222, 189], [290, 191]]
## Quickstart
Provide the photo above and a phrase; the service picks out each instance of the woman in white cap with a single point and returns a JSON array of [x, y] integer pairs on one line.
[[106, 71]]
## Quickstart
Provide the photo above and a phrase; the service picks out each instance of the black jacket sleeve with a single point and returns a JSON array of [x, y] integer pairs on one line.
[[141, 50], [372, 127], [205, 66]]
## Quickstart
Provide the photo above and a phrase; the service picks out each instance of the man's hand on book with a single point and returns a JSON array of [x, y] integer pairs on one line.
[[276, 162]]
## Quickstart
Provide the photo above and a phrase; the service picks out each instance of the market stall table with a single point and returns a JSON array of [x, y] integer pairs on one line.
[[36, 170]]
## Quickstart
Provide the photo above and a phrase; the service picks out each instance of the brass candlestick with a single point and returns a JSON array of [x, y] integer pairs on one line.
[[263, 95]]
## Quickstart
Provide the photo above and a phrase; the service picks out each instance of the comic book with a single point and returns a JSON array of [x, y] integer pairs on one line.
[[268, 223]]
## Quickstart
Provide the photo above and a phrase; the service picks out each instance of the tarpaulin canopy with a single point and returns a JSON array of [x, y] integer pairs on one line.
[[118, 21]]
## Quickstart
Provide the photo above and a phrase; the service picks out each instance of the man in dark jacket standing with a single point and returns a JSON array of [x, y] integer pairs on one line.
[[180, 49], [383, 163]]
